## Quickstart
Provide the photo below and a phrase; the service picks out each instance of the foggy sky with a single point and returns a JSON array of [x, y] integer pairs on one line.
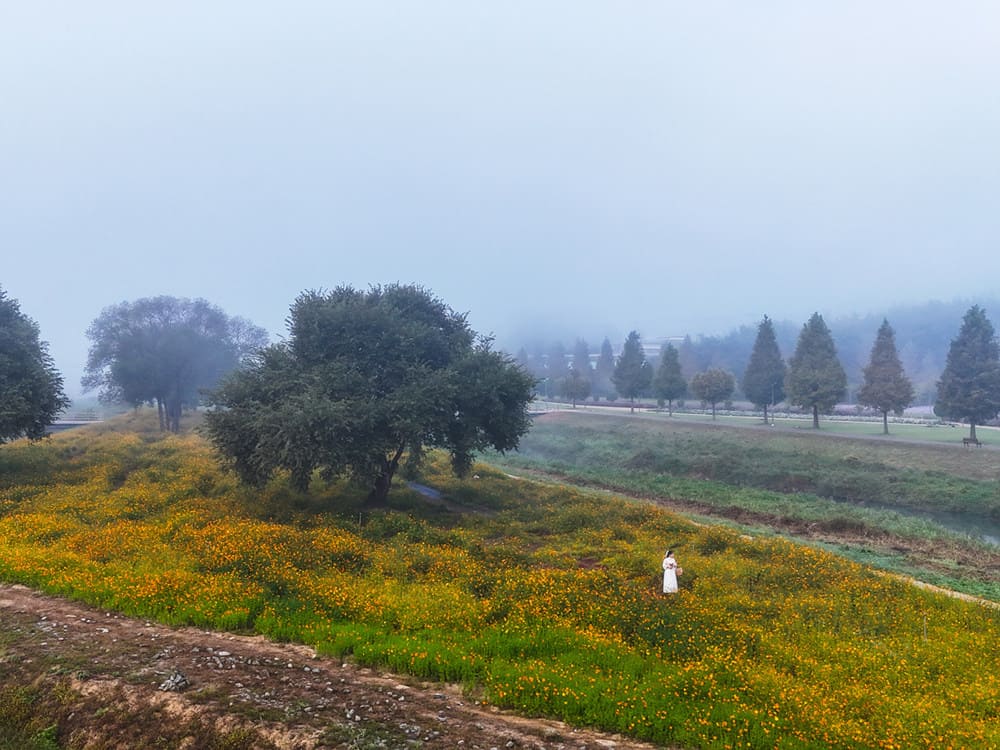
[[555, 168]]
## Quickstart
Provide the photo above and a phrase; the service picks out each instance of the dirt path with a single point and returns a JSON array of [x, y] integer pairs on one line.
[[100, 676]]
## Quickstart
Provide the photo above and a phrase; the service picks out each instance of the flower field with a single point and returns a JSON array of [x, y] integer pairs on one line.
[[537, 597]]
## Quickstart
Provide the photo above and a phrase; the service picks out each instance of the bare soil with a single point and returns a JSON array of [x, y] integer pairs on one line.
[[99, 678]]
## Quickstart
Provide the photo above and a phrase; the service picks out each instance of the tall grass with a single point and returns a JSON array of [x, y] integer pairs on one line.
[[540, 598]]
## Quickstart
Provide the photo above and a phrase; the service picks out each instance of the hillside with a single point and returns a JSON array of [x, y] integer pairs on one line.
[[533, 597]]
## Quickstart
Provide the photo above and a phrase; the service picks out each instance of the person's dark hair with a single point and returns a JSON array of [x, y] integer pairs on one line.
[[669, 553]]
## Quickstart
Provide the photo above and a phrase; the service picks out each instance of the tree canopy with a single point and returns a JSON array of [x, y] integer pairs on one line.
[[165, 351], [713, 386], [764, 378], [31, 389], [576, 386], [885, 385], [632, 375], [816, 380], [969, 388], [668, 382], [365, 380]]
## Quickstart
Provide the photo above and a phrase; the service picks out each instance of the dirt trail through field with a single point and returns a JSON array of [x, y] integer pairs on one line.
[[109, 671]]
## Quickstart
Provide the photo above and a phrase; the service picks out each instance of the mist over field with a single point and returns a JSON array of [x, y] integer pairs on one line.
[[577, 169]]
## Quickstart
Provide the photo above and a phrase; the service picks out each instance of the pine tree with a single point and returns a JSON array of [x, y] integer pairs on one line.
[[632, 372], [764, 378], [816, 380], [604, 371], [555, 365], [581, 360], [669, 383], [969, 388], [885, 386]]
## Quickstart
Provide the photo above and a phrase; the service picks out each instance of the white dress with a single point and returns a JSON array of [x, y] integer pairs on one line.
[[669, 575]]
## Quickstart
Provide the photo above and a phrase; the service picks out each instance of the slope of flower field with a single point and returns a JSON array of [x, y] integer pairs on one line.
[[539, 598]]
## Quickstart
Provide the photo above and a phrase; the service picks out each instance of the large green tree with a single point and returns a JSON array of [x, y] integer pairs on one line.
[[165, 351], [764, 378], [713, 386], [668, 382], [364, 381], [885, 385], [31, 389], [816, 380], [633, 374], [969, 388]]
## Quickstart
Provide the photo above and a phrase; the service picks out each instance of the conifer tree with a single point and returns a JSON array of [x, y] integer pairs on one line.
[[581, 360], [669, 383], [885, 386], [764, 378], [604, 371], [556, 364], [632, 372], [969, 388], [816, 380]]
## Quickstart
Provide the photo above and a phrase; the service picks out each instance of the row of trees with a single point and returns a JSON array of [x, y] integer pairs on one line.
[[369, 380], [813, 379]]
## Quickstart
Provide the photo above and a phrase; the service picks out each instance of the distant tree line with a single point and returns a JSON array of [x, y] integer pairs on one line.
[[368, 380], [813, 379]]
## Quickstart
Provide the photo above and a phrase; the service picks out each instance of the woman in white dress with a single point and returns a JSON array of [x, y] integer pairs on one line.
[[670, 571]]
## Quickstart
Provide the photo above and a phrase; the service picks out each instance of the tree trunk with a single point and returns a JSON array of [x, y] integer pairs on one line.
[[631, 405], [670, 408], [172, 413], [885, 422], [815, 417], [159, 414], [379, 494], [713, 411], [972, 430], [765, 414]]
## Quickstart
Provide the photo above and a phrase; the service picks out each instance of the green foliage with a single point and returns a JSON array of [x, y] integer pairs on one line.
[[604, 371], [969, 388], [21, 728], [576, 387], [816, 380], [633, 374], [31, 390], [364, 379], [668, 382], [165, 350], [886, 386], [764, 378], [713, 386]]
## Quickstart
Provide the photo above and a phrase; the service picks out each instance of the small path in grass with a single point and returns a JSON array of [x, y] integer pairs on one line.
[[100, 673]]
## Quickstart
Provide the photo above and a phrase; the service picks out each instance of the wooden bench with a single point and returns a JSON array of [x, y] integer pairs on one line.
[[972, 441]]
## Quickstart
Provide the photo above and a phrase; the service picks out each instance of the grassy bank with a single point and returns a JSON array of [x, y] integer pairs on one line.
[[539, 598], [854, 494]]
